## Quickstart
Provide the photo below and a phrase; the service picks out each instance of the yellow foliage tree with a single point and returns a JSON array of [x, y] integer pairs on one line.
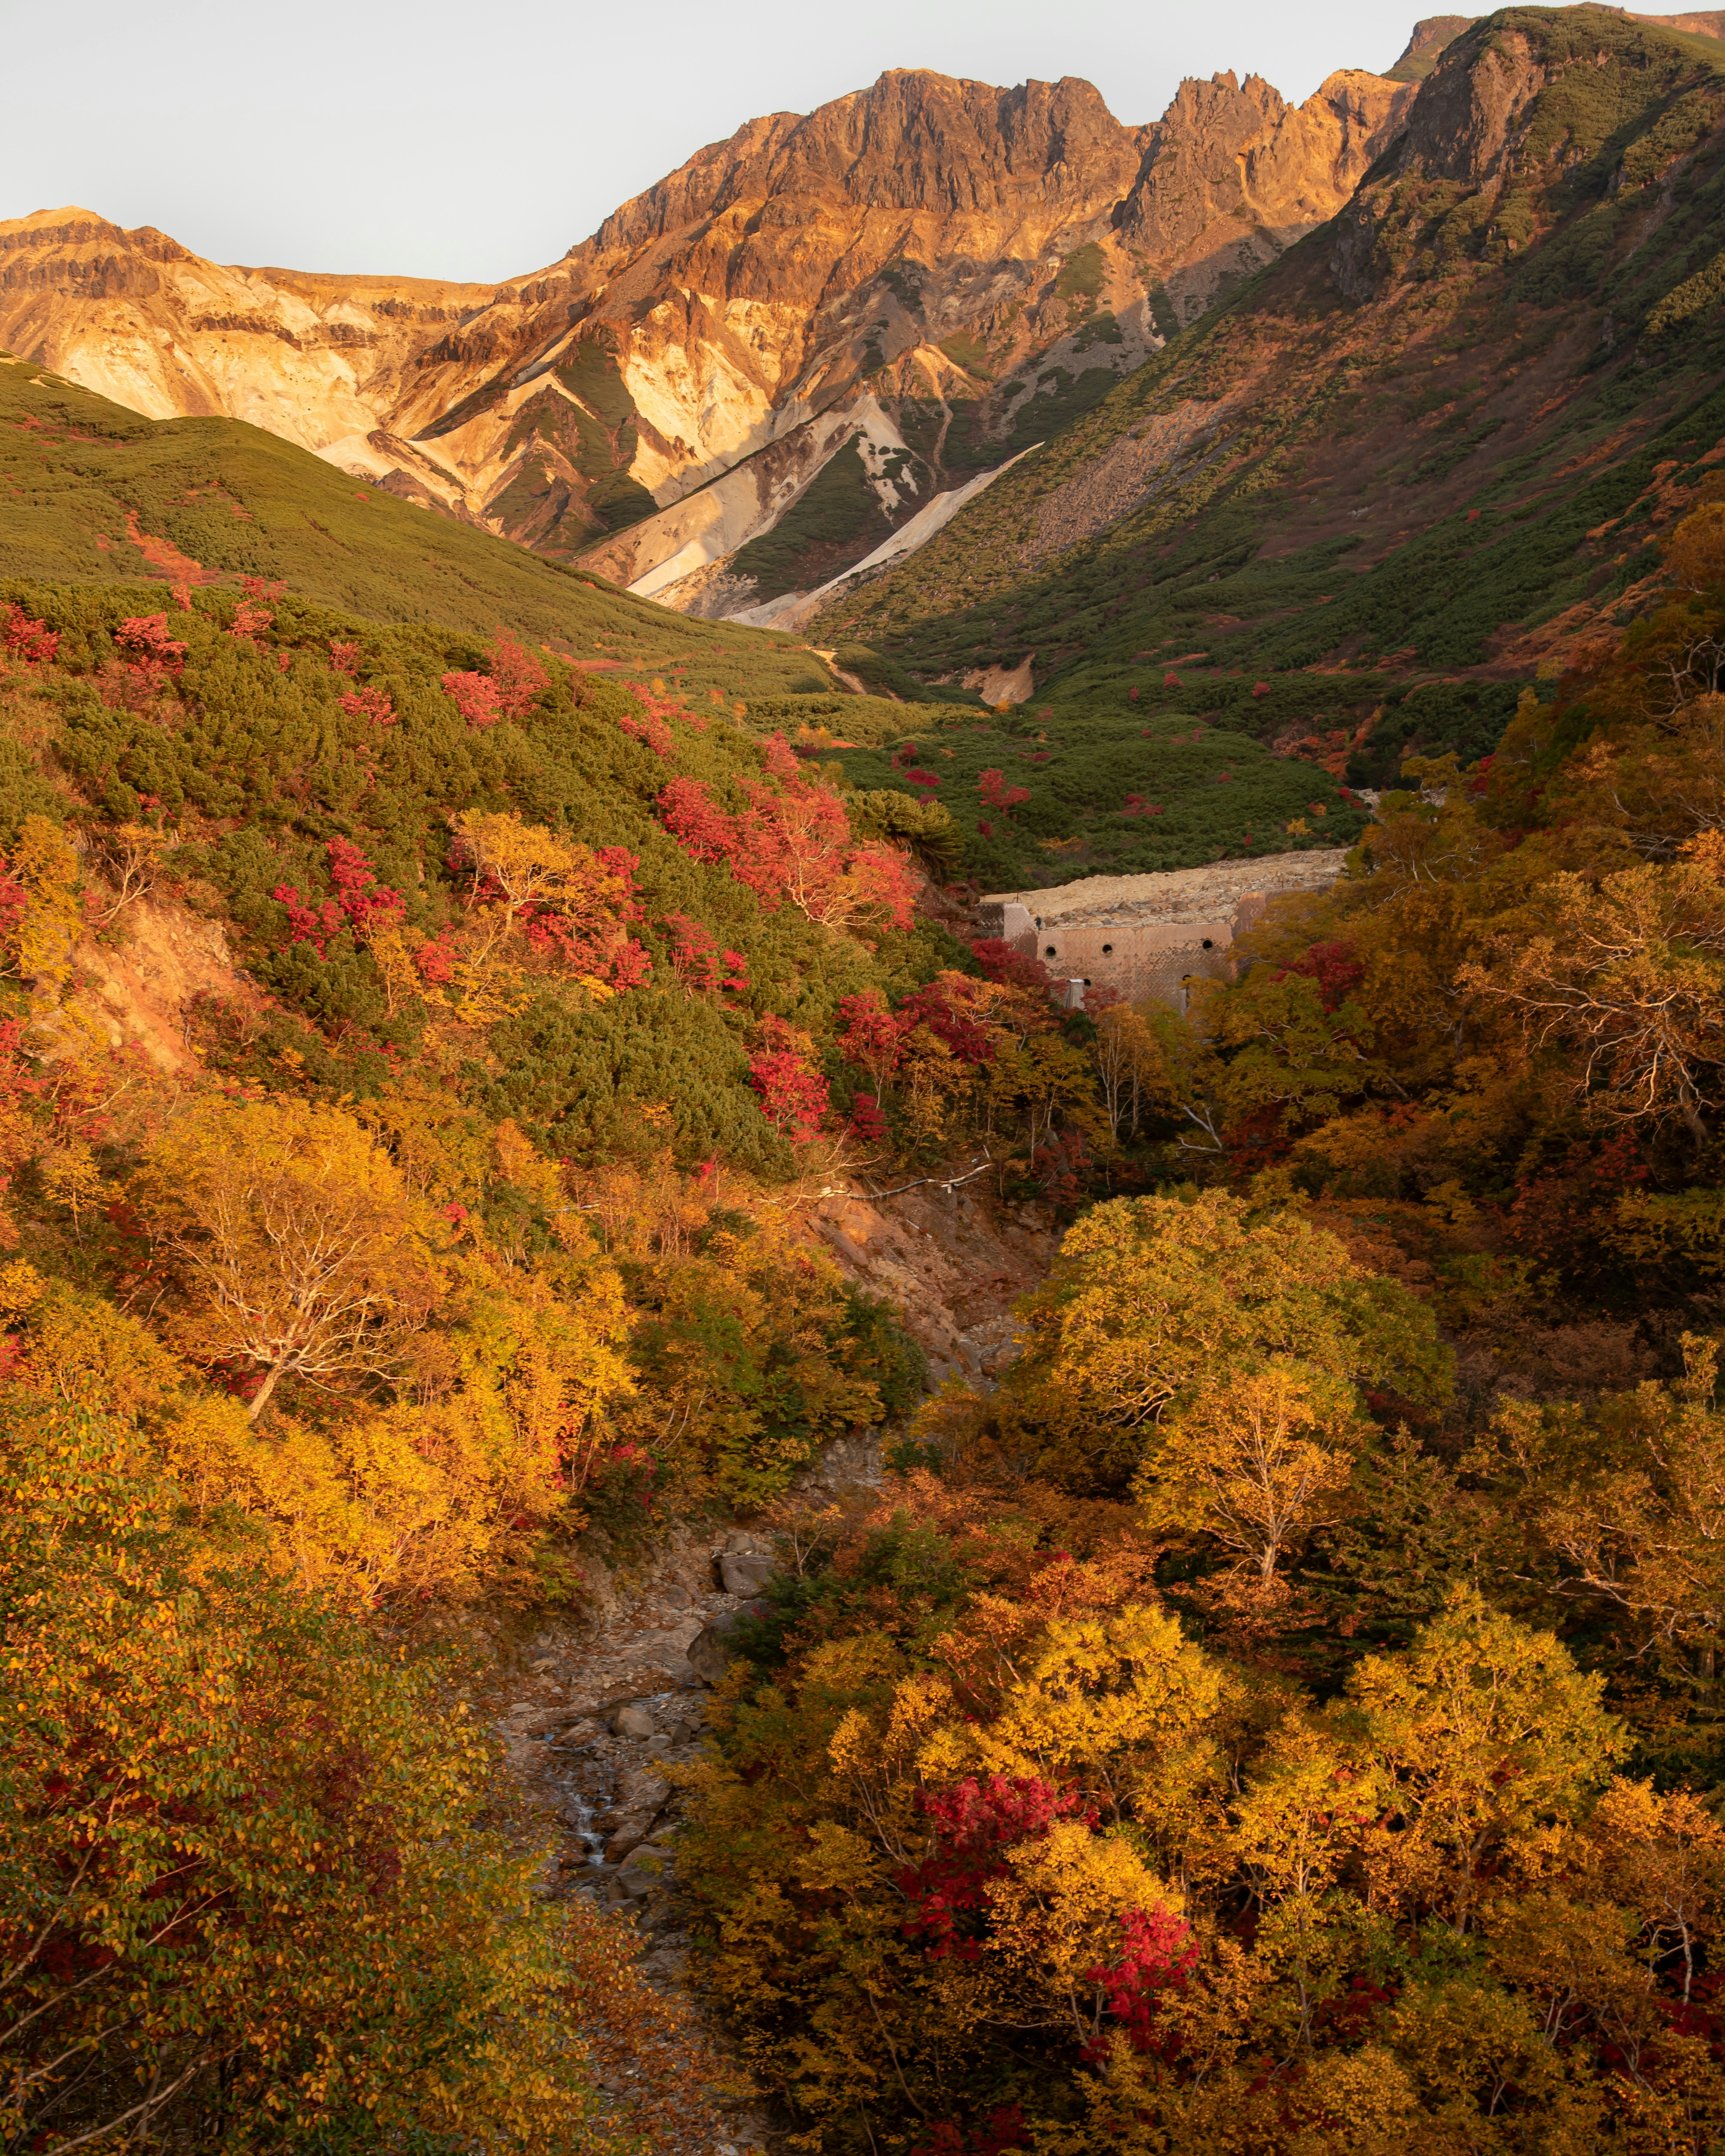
[[1489, 1742], [1155, 1299], [298, 1254], [1254, 1464], [251, 1885]]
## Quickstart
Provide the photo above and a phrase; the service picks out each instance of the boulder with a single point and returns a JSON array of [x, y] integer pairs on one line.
[[710, 1652], [632, 1721], [745, 1572], [647, 1866], [628, 1834], [642, 1790]]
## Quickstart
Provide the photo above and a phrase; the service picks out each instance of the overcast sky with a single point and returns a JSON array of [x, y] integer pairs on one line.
[[482, 141]]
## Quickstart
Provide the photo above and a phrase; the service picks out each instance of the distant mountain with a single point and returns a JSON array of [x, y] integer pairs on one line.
[[1419, 456], [837, 317]]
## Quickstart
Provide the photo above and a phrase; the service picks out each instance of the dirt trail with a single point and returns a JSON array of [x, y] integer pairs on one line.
[[591, 1713]]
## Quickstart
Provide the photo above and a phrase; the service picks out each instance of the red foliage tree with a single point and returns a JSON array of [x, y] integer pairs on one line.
[[941, 1006], [1012, 969], [373, 704], [792, 843], [867, 1123], [506, 690], [794, 1098], [366, 902], [998, 794], [152, 658], [1335, 967], [658, 705], [1156, 1949], [436, 960], [698, 962], [584, 920], [1003, 2129], [652, 730], [974, 1823], [870, 1035], [361, 903], [34, 642], [883, 884], [518, 676], [476, 698], [145, 639]]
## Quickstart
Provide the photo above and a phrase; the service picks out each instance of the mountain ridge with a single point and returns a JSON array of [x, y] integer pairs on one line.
[[918, 243]]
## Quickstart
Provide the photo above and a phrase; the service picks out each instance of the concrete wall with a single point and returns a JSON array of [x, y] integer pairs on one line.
[[1139, 960]]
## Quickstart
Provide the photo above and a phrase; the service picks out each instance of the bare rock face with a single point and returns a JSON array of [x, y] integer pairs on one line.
[[710, 1653], [1468, 110], [853, 310], [1467, 132]]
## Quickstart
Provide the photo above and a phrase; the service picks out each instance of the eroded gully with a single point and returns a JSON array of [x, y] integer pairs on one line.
[[593, 1709]]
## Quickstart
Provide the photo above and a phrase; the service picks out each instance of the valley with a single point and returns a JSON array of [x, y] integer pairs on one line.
[[1408, 465], [862, 1145]]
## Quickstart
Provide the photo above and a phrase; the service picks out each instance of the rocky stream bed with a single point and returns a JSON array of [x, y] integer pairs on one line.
[[594, 1708]]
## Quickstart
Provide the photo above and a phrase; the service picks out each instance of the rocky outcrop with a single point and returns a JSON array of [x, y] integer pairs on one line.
[[1433, 33], [1470, 106], [1428, 40], [1471, 132], [137, 318], [1233, 175]]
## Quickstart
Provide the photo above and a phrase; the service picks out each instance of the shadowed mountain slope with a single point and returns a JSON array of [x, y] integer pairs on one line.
[[1429, 444]]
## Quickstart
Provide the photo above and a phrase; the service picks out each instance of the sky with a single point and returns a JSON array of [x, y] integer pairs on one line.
[[481, 142]]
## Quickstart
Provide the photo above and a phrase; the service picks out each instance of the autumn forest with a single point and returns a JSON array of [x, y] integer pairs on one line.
[[1272, 1703]]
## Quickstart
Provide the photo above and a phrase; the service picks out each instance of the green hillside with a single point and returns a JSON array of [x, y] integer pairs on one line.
[[1107, 796], [90, 493], [1432, 444]]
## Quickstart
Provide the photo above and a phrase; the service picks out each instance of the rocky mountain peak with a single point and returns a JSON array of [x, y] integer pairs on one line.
[[901, 290]]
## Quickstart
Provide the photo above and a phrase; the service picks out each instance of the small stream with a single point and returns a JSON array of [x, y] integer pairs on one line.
[[589, 1776], [579, 1808]]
